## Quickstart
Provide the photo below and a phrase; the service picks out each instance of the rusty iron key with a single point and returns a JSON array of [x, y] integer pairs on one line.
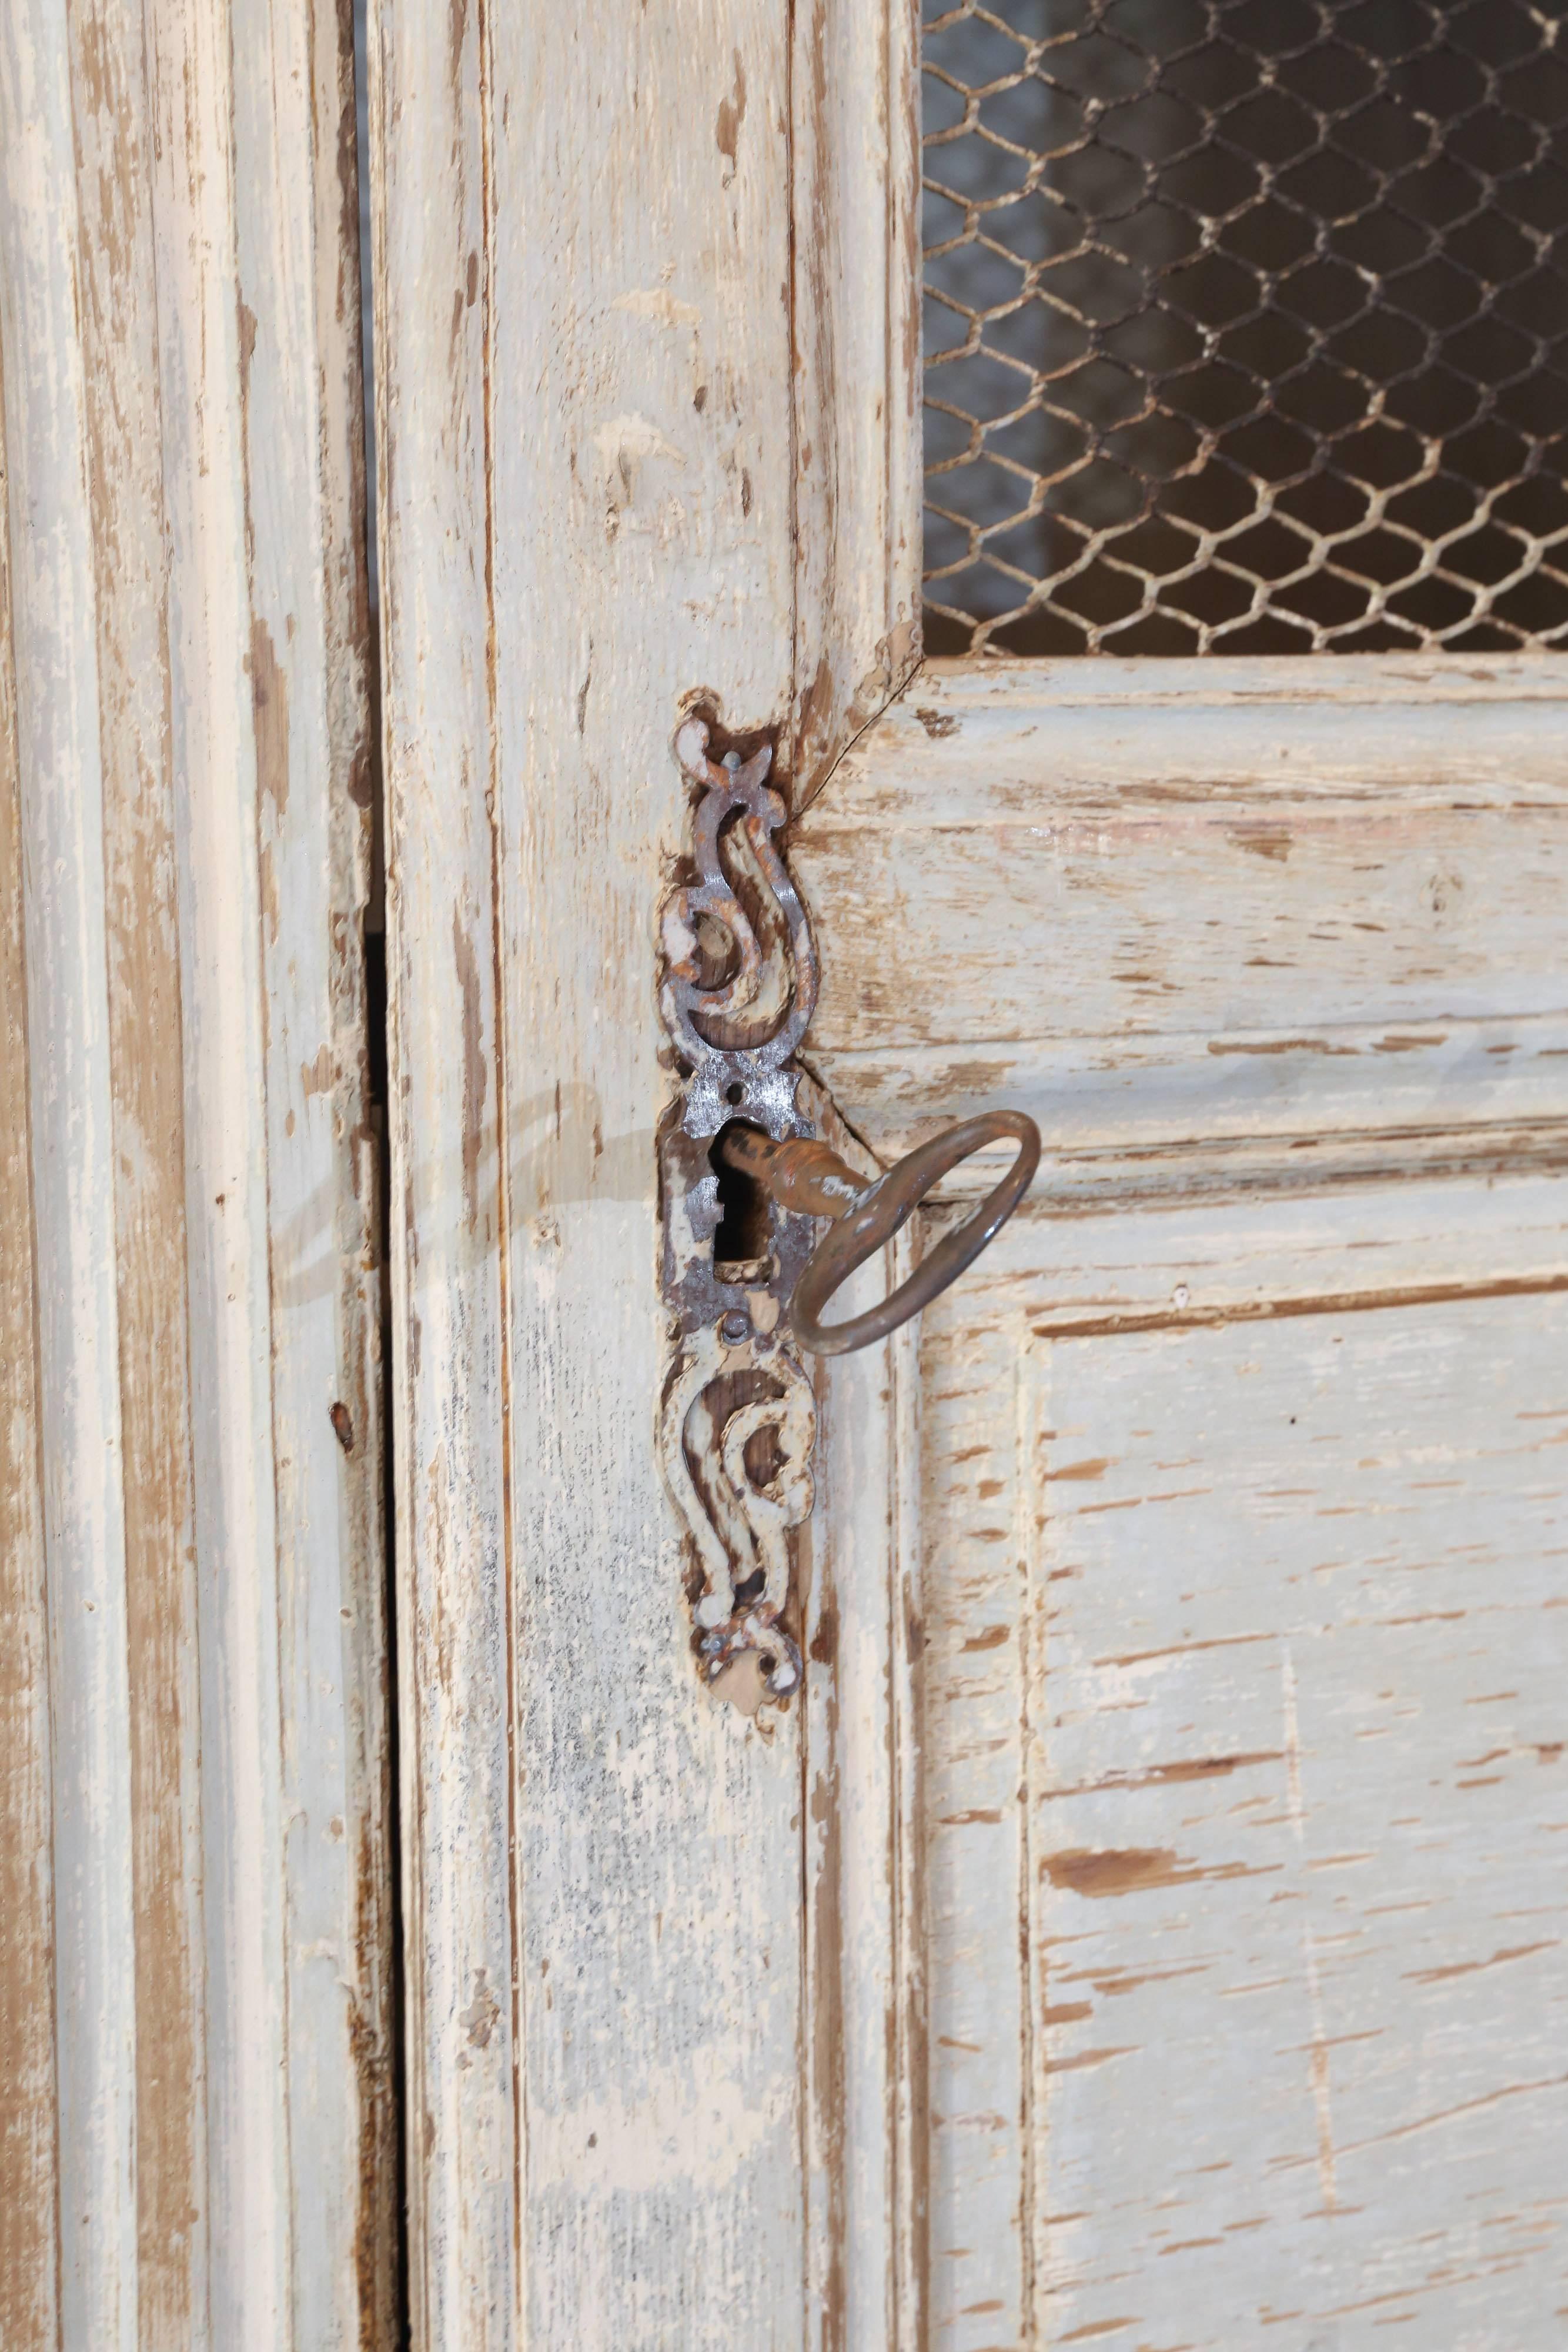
[[809, 1177]]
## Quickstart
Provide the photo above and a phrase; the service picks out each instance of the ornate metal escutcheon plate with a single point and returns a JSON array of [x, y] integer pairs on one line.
[[739, 983]]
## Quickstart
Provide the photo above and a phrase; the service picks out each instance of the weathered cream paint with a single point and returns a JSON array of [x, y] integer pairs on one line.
[[624, 467], [1235, 1464], [1155, 901], [1245, 1773], [677, 2060], [854, 165], [29, 2121], [196, 1206], [584, 520]]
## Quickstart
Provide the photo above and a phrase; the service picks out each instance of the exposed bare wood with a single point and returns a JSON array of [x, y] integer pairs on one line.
[[180, 393]]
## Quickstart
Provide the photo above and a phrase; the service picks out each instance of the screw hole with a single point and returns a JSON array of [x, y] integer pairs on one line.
[[735, 1092]]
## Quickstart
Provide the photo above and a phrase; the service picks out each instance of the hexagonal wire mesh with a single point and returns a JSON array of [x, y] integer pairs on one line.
[[1245, 325]]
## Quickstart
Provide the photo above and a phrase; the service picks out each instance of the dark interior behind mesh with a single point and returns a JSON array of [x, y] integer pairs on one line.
[[1245, 326]]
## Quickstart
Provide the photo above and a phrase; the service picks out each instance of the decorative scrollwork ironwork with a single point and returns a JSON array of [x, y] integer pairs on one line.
[[738, 988]]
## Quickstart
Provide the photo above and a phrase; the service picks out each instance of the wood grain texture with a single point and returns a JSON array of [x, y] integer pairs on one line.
[[178, 320], [29, 2131], [1153, 901], [1244, 1756], [54, 660], [429, 142], [584, 398], [866, 2137], [856, 274], [1273, 953], [646, 414], [658, 445]]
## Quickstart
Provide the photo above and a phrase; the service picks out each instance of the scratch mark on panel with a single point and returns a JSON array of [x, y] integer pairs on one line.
[[1320, 2072]]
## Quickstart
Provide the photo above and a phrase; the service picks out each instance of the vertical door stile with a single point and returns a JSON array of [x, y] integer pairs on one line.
[[72, 1122], [587, 408], [179, 339], [863, 1880], [432, 279], [856, 320], [30, 2127], [116, 309], [641, 555], [855, 186], [215, 756], [301, 467]]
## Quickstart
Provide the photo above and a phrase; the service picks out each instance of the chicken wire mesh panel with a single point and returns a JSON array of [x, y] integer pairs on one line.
[[1245, 326]]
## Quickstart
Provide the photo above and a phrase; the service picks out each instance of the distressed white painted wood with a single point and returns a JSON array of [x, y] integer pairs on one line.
[[1152, 900], [463, 2129], [1244, 1774], [29, 2134], [855, 333], [194, 1209], [715, 2038], [628, 466], [865, 2129], [586, 517], [1272, 951]]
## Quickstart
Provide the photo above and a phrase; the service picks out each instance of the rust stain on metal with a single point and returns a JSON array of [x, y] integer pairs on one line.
[[739, 1414]]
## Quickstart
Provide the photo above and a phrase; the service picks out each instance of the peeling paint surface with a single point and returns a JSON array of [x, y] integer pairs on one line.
[[198, 2147], [1245, 1916]]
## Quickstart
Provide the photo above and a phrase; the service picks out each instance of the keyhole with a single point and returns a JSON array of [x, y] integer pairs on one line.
[[741, 1239]]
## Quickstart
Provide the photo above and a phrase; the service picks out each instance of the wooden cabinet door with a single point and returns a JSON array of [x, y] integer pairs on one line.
[[1229, 1617], [1144, 1921]]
